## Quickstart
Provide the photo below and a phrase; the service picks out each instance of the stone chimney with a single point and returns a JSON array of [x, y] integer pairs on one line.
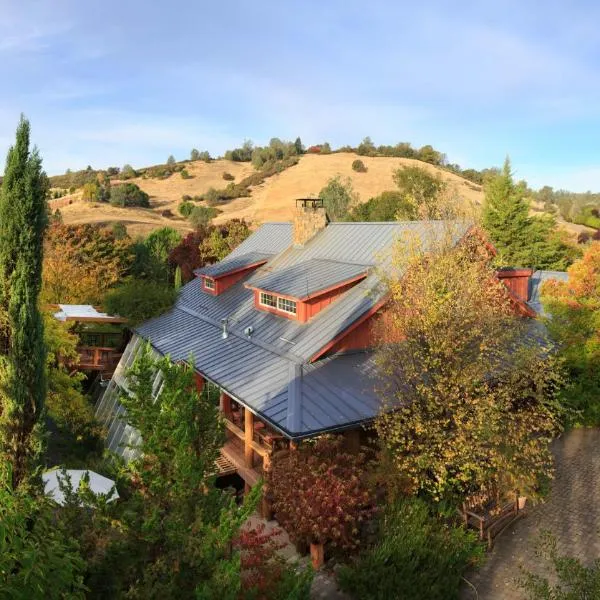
[[310, 218]]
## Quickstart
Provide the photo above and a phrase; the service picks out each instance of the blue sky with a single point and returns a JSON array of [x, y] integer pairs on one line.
[[105, 83]]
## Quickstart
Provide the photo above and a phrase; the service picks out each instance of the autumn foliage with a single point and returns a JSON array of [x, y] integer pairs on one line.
[[81, 262], [471, 391], [320, 494], [574, 307], [207, 244]]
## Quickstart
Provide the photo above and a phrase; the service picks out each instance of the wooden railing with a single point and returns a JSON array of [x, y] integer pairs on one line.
[[97, 358]]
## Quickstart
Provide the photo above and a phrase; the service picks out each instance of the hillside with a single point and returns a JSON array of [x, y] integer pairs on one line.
[[273, 200]]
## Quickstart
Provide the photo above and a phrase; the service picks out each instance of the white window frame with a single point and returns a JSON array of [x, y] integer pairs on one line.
[[263, 295], [209, 284], [281, 306]]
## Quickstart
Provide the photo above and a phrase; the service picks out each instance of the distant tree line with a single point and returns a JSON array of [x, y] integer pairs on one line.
[[582, 208]]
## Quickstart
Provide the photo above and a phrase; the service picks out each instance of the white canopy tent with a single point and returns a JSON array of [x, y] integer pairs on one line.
[[98, 483]]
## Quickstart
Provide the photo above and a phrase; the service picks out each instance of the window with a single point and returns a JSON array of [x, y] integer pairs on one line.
[[209, 284], [288, 306], [268, 300]]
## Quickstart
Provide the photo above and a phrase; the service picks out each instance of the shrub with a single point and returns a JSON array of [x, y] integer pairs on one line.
[[127, 172], [388, 206], [366, 147], [417, 557], [90, 192], [119, 231], [185, 208], [168, 213], [583, 237], [38, 559], [359, 166], [171, 160], [140, 300], [228, 176], [265, 573], [330, 497], [129, 194], [185, 174], [194, 154], [337, 197], [202, 215]]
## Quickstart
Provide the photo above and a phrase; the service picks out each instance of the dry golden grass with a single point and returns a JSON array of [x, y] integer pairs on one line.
[[271, 201]]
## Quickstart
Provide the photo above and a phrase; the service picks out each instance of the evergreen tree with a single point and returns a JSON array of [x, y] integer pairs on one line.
[[520, 239], [23, 219], [298, 146], [506, 219]]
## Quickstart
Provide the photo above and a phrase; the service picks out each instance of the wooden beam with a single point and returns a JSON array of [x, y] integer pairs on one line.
[[250, 476], [248, 437], [239, 433]]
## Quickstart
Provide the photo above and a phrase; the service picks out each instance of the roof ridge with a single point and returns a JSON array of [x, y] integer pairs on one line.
[[339, 262]]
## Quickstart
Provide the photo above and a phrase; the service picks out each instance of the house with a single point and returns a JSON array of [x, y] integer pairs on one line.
[[102, 337], [281, 333]]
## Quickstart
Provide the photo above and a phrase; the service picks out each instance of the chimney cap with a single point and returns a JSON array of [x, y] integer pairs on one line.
[[313, 203]]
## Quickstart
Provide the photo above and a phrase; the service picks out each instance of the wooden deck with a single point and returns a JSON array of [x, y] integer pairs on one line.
[[93, 358], [233, 451]]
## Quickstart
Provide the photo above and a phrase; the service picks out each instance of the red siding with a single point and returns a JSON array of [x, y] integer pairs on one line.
[[199, 382], [226, 281], [306, 309], [316, 305], [517, 281], [376, 328]]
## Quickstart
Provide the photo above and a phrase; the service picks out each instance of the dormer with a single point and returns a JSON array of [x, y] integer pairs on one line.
[[216, 278], [302, 290]]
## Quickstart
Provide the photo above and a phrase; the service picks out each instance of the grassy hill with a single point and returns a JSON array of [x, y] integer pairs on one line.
[[273, 200]]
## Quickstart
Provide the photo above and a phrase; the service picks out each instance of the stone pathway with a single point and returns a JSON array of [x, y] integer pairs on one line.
[[571, 513]]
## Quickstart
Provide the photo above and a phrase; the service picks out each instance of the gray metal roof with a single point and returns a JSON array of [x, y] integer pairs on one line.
[[235, 263], [270, 238], [305, 279], [328, 394], [535, 287], [271, 372]]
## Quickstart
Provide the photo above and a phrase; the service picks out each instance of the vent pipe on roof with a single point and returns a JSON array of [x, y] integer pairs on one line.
[[225, 333]]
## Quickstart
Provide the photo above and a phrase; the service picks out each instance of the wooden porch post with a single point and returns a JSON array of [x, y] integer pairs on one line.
[[352, 441], [266, 509], [248, 436], [225, 404]]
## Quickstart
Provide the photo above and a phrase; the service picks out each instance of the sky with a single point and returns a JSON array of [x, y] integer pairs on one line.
[[106, 83]]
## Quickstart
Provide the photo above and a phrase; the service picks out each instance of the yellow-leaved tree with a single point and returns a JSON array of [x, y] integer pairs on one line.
[[470, 391]]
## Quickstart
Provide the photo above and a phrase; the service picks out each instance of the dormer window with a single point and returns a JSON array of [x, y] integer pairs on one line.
[[302, 290], [268, 300], [222, 275], [287, 306]]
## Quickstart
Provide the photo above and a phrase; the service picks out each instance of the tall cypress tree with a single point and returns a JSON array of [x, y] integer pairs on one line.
[[23, 219], [506, 219]]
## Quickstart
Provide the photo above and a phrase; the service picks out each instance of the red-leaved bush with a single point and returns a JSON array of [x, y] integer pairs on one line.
[[262, 566], [320, 493]]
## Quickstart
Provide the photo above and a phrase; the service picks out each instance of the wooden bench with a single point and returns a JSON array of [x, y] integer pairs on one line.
[[486, 512]]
